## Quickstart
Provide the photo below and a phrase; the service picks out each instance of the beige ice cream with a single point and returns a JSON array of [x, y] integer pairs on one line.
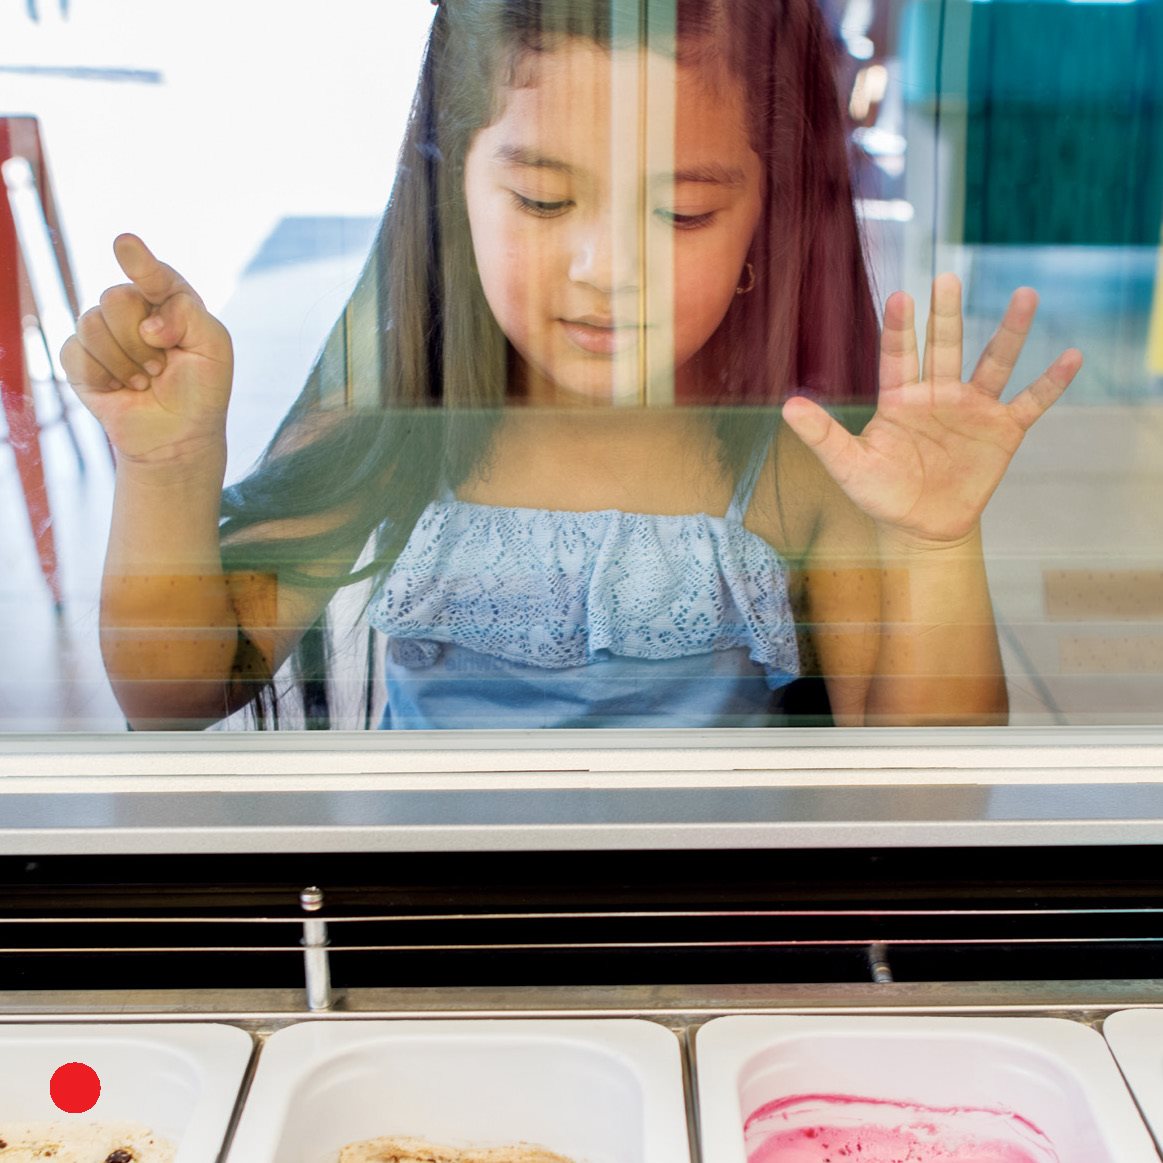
[[77, 1142], [417, 1151]]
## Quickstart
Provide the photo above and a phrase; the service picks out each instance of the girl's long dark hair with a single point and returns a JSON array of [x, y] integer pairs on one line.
[[413, 377]]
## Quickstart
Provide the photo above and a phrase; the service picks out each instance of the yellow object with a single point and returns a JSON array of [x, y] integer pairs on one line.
[[1155, 333]]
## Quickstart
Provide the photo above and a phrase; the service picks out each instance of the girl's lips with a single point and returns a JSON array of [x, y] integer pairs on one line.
[[600, 339]]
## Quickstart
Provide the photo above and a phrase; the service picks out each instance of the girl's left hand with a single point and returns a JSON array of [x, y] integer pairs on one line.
[[930, 458]]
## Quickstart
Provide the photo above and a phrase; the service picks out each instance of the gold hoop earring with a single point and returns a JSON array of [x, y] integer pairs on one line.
[[750, 281]]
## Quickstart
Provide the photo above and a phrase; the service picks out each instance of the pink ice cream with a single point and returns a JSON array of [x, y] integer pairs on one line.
[[837, 1128]]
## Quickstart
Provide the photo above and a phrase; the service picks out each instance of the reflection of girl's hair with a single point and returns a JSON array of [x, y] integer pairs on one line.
[[402, 400]]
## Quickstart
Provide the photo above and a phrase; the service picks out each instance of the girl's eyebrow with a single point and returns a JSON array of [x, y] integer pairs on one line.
[[515, 155], [709, 174]]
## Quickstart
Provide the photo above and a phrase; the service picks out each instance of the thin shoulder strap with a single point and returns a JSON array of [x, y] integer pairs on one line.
[[749, 478]]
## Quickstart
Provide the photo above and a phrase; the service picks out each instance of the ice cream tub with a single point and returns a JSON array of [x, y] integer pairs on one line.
[[151, 1093], [1136, 1040], [586, 1091], [877, 1089]]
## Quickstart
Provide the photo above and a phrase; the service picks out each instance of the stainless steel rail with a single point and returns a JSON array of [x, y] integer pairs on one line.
[[543, 791], [266, 1010], [877, 931]]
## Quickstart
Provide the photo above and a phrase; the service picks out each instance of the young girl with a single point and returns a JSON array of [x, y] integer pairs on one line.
[[571, 422]]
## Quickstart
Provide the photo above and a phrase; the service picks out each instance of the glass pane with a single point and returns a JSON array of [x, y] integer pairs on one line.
[[1034, 133], [542, 403]]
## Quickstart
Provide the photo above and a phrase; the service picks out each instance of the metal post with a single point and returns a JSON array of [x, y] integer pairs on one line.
[[315, 959], [878, 963]]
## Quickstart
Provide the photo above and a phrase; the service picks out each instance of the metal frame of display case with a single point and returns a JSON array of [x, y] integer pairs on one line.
[[200, 797], [578, 790]]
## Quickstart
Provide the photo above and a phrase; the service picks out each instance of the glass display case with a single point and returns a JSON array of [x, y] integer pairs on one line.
[[419, 919], [481, 938]]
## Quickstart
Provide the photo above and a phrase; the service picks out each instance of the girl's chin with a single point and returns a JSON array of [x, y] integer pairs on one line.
[[617, 392]]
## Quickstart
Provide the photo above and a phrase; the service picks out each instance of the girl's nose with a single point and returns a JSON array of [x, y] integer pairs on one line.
[[606, 255]]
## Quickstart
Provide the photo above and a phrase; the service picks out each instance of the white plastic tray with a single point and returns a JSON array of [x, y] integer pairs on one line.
[[1136, 1040], [1054, 1074], [602, 1091], [181, 1081]]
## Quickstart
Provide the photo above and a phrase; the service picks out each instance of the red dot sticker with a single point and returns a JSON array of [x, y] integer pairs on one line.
[[75, 1087]]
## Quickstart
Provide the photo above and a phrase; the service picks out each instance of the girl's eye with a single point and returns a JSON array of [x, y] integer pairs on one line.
[[541, 209], [685, 221]]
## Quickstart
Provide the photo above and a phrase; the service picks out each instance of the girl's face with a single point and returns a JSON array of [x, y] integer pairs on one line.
[[612, 204]]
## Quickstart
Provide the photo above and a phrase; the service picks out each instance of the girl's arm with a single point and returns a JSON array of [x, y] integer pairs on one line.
[[182, 641], [938, 660], [895, 577], [905, 636]]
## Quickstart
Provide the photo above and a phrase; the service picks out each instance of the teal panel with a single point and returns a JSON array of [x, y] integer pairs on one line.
[[1065, 123]]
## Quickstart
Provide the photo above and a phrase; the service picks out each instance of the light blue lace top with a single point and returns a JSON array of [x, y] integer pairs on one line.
[[511, 617]]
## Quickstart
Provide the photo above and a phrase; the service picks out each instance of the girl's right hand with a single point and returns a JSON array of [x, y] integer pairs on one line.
[[152, 364]]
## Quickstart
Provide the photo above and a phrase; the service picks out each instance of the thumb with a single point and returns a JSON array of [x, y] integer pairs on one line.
[[156, 280], [833, 444]]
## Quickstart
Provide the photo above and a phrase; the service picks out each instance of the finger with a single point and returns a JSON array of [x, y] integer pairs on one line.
[[997, 361], [95, 337], [124, 310], [942, 361], [832, 443], [84, 372], [898, 343], [154, 279], [1032, 403], [182, 321]]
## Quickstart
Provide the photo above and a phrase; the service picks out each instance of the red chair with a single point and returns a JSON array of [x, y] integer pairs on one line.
[[20, 138]]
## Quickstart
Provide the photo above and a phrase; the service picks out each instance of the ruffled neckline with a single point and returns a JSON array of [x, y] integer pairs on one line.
[[559, 588]]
